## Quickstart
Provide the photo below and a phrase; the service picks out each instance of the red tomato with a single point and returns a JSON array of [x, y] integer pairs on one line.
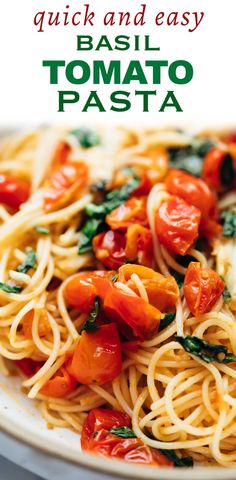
[[196, 192], [60, 385], [131, 346], [97, 356], [28, 366], [81, 290], [123, 176], [139, 246], [97, 438], [134, 316], [144, 187], [177, 224], [109, 249], [13, 191], [213, 170], [67, 178], [202, 288], [132, 211]]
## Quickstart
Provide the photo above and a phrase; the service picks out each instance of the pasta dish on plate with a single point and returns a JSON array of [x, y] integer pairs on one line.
[[118, 288]]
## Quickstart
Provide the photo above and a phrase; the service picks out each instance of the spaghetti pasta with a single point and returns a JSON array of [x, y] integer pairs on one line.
[[176, 383]]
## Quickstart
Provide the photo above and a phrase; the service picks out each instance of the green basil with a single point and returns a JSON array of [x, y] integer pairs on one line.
[[30, 262], [166, 321], [229, 223], [178, 462], [227, 172], [89, 324], [226, 295], [124, 432], [42, 230], [8, 288], [208, 352], [90, 229], [86, 137]]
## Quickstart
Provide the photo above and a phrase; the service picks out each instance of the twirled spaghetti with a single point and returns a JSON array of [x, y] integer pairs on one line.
[[179, 396]]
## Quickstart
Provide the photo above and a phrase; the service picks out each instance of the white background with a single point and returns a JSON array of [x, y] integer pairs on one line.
[[26, 96]]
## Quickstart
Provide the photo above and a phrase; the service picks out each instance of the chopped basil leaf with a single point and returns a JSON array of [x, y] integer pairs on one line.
[[42, 230], [97, 213], [86, 137], [115, 277], [89, 324], [178, 462], [229, 223], [226, 295], [201, 147], [179, 278], [166, 321], [8, 288], [30, 262], [90, 229], [208, 352], [124, 432], [227, 172], [190, 158]]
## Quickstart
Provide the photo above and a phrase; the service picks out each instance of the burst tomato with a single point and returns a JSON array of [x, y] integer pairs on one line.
[[139, 246], [126, 174], [219, 170], [202, 288], [28, 366], [60, 385], [96, 437], [196, 192], [162, 291], [134, 316], [177, 224], [97, 356], [13, 191], [109, 249], [132, 211]]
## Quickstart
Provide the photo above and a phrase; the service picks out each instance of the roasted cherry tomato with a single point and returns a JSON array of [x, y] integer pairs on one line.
[[97, 356], [132, 211], [43, 324], [196, 192], [97, 438], [109, 249], [202, 288], [128, 173], [134, 316], [139, 246], [28, 366], [177, 224], [155, 162], [60, 385], [67, 179], [162, 291], [219, 170], [81, 290], [13, 191]]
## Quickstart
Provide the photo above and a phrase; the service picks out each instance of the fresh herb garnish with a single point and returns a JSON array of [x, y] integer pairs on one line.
[[179, 278], [90, 229], [124, 432], [8, 288], [227, 172], [226, 295], [86, 137], [30, 261], [89, 324], [96, 214], [42, 230], [208, 352], [166, 321], [190, 158], [114, 278], [178, 462], [229, 223]]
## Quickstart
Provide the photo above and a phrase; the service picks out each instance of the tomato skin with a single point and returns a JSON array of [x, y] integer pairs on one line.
[[132, 211], [202, 288], [109, 249], [163, 292], [139, 246], [97, 356], [80, 292], [97, 439], [133, 316], [177, 224], [13, 191], [28, 366], [60, 385], [211, 171], [196, 192]]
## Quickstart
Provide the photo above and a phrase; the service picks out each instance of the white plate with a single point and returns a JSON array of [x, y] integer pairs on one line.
[[20, 417]]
